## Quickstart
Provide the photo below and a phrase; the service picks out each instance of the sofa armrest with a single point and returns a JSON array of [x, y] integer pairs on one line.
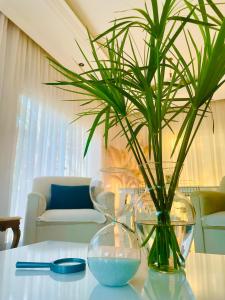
[[208, 202], [36, 205], [205, 203]]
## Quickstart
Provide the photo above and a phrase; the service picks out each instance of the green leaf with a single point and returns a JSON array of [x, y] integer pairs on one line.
[[194, 21], [93, 128], [113, 28], [107, 126], [216, 10]]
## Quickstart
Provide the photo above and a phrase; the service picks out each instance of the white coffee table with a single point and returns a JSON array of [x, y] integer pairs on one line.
[[205, 278]]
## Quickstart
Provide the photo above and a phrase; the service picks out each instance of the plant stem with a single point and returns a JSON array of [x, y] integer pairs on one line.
[[181, 157], [164, 242]]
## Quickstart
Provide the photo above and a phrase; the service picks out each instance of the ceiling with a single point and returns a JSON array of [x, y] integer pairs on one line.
[[97, 14]]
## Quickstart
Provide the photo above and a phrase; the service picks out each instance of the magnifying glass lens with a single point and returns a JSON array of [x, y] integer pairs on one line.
[[68, 263]]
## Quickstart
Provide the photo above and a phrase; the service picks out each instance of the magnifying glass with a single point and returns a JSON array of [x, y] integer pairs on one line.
[[62, 266]]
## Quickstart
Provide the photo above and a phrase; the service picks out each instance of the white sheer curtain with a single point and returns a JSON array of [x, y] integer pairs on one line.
[[205, 163], [48, 145], [36, 136], [10, 66]]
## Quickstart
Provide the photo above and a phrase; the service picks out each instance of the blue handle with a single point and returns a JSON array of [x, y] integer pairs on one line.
[[24, 264]]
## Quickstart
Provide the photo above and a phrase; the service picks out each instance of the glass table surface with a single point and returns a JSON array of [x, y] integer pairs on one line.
[[204, 280]]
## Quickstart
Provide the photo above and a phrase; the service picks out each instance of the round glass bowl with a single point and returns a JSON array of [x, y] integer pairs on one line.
[[114, 255]]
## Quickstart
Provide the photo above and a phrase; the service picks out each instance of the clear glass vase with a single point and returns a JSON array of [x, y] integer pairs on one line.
[[166, 232], [114, 252]]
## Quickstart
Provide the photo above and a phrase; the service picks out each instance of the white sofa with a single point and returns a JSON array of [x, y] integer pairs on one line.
[[75, 225], [210, 220]]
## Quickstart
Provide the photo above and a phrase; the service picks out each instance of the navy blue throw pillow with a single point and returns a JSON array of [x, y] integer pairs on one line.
[[69, 197]]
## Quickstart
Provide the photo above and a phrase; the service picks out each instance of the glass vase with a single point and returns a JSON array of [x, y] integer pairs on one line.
[[114, 252], [166, 233]]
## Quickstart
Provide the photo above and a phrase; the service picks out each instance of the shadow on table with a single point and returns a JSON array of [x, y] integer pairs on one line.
[[101, 292], [55, 276], [162, 286]]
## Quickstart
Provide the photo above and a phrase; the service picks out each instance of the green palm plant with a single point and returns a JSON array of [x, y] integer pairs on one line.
[[132, 89]]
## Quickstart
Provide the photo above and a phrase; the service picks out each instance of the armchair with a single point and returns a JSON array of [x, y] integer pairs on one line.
[[210, 220], [78, 225]]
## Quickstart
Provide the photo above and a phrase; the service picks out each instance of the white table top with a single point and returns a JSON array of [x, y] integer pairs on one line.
[[205, 278]]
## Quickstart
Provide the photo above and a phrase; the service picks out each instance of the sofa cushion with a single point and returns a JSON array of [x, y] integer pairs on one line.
[[42, 184], [216, 219], [72, 215], [69, 197]]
